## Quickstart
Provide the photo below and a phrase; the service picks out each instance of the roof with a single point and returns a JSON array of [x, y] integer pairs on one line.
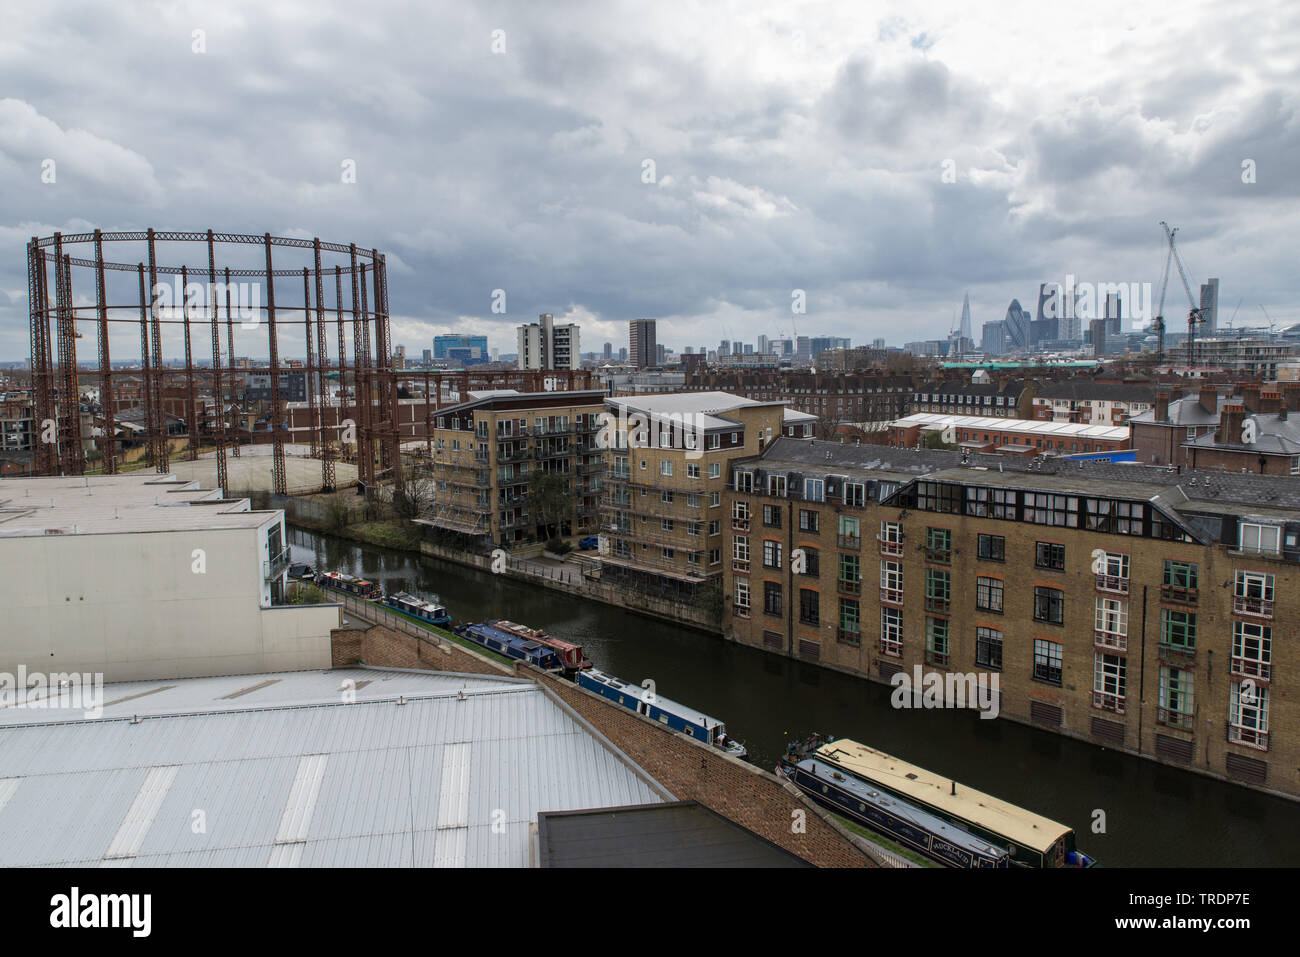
[[1187, 411], [115, 504], [287, 771], [1034, 427], [1274, 435], [701, 403], [1024, 827], [1083, 388], [680, 834]]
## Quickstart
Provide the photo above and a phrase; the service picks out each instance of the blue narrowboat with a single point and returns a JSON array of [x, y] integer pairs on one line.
[[512, 646], [407, 604], [676, 716], [350, 584]]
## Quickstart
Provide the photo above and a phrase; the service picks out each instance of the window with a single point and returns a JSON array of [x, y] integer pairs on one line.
[[666, 524], [666, 467], [814, 490], [988, 594], [850, 573], [1252, 594], [1110, 624], [938, 591], [992, 548], [692, 499], [715, 499], [1258, 538], [936, 641], [855, 493], [991, 502], [771, 554], [891, 632], [1178, 629], [1049, 555], [740, 512], [666, 496], [715, 527], [715, 470], [1252, 649], [1044, 509], [1179, 581], [938, 544], [1108, 681], [850, 630], [668, 554], [809, 606], [771, 598], [891, 538], [891, 581], [772, 516], [1176, 697], [1113, 573], [938, 497], [988, 648], [1248, 714], [715, 556], [692, 470], [812, 563], [744, 480], [808, 520], [742, 594], [776, 485], [1047, 661], [740, 548], [849, 532], [1049, 605]]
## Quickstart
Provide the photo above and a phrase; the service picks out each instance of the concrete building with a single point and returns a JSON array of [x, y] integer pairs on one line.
[[464, 350], [143, 576], [1001, 567], [546, 345], [1253, 357], [1210, 307], [489, 450], [643, 351], [661, 514]]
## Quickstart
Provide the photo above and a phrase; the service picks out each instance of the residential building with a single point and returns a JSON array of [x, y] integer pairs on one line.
[[1001, 398], [490, 451], [1000, 568], [546, 345], [643, 351], [1084, 400], [1025, 437], [864, 400]]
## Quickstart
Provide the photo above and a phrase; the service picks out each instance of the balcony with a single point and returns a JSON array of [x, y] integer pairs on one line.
[[1112, 583], [890, 548], [1248, 736], [1106, 701], [846, 637], [890, 648], [1174, 719], [1259, 607], [891, 596], [850, 587], [740, 565], [740, 524], [942, 606], [937, 658], [1109, 641], [1178, 655], [848, 541], [1186, 596], [939, 556], [1251, 668], [275, 567]]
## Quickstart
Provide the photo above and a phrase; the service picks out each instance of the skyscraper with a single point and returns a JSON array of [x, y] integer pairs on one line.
[[1114, 314], [965, 331], [609, 351], [1210, 307], [642, 350], [545, 345], [1017, 326]]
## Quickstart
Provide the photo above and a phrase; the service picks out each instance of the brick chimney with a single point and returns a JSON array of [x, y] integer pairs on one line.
[[1209, 399], [1230, 421], [1250, 397], [1291, 395], [1270, 401], [1162, 407]]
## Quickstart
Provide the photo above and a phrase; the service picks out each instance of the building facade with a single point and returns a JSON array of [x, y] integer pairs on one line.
[[643, 350], [547, 345], [877, 567]]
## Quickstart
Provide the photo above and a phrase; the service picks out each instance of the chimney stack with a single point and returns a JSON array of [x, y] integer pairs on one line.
[[1162, 407], [1250, 397], [1230, 421], [1270, 402], [1291, 395], [1209, 399]]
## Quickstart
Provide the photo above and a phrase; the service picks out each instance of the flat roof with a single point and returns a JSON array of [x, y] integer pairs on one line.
[[1114, 433], [678, 834], [115, 504], [357, 767], [1022, 826]]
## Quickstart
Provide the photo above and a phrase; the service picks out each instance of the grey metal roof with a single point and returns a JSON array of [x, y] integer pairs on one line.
[[1274, 435], [451, 777]]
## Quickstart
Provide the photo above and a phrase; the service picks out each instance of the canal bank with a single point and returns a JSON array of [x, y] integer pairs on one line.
[[1152, 815]]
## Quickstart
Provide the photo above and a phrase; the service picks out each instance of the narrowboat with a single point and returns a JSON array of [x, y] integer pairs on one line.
[[301, 571], [512, 646], [407, 604], [571, 655], [1030, 839], [347, 583], [676, 716], [900, 821]]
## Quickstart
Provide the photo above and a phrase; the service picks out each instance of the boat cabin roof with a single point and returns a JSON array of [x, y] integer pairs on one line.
[[957, 836], [658, 700], [1024, 827]]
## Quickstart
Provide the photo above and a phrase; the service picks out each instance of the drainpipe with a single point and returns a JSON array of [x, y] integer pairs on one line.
[[1142, 670], [789, 573]]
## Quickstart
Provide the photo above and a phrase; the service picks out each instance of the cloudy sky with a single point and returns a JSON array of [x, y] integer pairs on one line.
[[690, 162]]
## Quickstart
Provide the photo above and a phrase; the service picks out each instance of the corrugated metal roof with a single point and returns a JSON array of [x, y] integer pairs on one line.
[[452, 776]]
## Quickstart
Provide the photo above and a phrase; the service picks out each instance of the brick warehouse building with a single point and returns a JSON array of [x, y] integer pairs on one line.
[[1164, 649]]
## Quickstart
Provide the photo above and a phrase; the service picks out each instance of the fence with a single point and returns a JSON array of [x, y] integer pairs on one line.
[[378, 615]]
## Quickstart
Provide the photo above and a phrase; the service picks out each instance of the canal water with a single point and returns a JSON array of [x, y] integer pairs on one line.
[[1152, 815]]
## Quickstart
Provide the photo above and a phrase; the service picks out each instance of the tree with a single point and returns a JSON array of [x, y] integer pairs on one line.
[[412, 493], [551, 502]]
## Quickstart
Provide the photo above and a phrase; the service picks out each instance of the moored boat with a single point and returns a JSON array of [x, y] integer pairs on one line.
[[512, 646], [350, 584], [679, 717], [417, 608], [571, 655]]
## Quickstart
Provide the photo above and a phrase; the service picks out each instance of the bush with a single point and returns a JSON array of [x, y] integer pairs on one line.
[[558, 546]]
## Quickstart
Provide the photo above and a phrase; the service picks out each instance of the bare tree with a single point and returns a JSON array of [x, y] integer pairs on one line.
[[413, 491]]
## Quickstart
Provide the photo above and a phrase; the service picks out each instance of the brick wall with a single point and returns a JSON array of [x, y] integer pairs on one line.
[[381, 647]]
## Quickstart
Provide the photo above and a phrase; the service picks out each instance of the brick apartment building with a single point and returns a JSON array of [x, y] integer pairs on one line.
[[1191, 431], [1087, 402], [907, 558], [487, 450], [865, 399], [996, 398], [662, 514]]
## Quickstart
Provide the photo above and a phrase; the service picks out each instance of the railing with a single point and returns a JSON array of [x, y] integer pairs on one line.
[[1248, 736], [1109, 641], [740, 524], [1106, 701], [937, 658], [890, 548], [740, 565], [891, 596], [891, 648], [939, 605], [275, 567], [1112, 583], [1177, 593], [848, 541], [939, 556], [850, 587], [1177, 654], [741, 611], [1174, 719], [846, 636], [1251, 668], [1260, 607]]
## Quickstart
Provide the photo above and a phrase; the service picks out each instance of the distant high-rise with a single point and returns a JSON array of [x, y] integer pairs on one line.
[[724, 348], [545, 345], [642, 350], [467, 350], [965, 331], [1114, 314], [1210, 307], [877, 344], [803, 349], [1048, 315], [609, 351], [762, 345], [622, 354], [995, 340], [1017, 326], [661, 354]]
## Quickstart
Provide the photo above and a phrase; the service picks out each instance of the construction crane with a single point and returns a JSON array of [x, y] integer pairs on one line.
[[1160, 309], [1194, 311]]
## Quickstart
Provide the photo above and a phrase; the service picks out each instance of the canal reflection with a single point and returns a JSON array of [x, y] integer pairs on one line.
[[1152, 815]]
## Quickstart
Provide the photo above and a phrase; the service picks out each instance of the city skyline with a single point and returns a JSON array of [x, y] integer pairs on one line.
[[1015, 177]]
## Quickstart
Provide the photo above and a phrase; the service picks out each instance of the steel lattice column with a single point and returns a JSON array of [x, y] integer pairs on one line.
[[218, 398], [279, 486]]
